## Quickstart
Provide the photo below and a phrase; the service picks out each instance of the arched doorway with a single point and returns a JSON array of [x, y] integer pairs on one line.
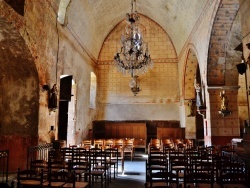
[[194, 121], [66, 115]]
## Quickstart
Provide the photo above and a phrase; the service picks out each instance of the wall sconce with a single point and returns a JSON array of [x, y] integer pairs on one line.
[[224, 104]]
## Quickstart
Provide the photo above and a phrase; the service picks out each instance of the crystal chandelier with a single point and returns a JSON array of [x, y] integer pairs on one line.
[[134, 57], [134, 85]]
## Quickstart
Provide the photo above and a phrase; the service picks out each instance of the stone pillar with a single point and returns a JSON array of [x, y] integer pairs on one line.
[[190, 130], [223, 125]]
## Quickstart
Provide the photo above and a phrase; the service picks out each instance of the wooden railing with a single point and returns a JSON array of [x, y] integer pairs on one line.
[[38, 152], [4, 164]]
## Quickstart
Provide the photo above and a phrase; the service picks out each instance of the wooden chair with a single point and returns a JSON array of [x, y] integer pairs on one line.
[[29, 178], [128, 147], [178, 142], [99, 143], [154, 145], [66, 153], [113, 157], [39, 165], [178, 163], [232, 173], [108, 143], [157, 162], [96, 172], [57, 165], [5, 185], [86, 144], [81, 169], [55, 155], [80, 154], [200, 175], [163, 179], [140, 143], [188, 143], [118, 143], [61, 179], [167, 143], [218, 162]]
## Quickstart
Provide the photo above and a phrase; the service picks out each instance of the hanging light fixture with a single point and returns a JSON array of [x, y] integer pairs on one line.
[[134, 85], [134, 57]]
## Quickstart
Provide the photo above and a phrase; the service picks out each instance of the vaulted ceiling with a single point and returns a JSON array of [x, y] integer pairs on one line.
[[94, 19]]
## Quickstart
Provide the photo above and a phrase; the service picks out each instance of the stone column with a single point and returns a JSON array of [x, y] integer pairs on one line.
[[223, 126]]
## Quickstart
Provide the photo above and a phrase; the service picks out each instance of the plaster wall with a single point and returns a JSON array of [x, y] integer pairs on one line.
[[158, 98], [73, 60], [139, 112]]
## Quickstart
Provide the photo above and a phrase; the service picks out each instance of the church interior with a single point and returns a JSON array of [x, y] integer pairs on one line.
[[78, 70]]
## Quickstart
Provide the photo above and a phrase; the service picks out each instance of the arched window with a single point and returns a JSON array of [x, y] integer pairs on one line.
[[92, 103]]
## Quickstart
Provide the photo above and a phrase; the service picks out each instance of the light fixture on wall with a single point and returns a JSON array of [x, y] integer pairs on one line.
[[134, 84], [134, 57]]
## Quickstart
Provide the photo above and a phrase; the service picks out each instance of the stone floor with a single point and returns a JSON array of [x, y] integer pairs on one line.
[[134, 175]]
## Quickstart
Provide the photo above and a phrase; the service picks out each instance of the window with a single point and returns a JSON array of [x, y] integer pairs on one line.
[[92, 90]]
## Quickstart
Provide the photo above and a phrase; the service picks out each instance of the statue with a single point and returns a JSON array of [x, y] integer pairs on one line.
[[190, 108], [224, 101], [224, 104], [53, 97], [198, 90]]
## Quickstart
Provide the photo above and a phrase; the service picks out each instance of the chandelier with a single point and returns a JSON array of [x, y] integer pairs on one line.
[[134, 57], [134, 85]]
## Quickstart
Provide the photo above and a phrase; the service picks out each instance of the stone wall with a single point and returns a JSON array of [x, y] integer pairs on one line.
[[54, 50]]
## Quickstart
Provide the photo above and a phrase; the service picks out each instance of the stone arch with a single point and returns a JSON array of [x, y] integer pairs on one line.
[[194, 122], [219, 41], [19, 97], [190, 73], [62, 10], [158, 85], [153, 34], [222, 72]]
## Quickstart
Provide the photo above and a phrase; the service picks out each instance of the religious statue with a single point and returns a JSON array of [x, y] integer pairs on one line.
[[224, 104], [198, 90], [190, 108], [224, 101], [53, 97]]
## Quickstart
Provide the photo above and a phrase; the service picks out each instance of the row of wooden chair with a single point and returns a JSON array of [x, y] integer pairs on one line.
[[159, 144], [100, 162], [193, 166], [124, 145], [88, 165]]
